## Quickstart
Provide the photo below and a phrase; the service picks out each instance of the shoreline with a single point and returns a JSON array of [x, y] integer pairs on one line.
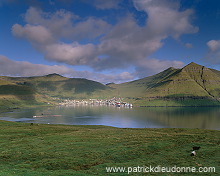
[[105, 126], [57, 105], [182, 106]]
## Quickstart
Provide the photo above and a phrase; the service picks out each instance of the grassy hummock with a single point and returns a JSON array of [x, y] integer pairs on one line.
[[42, 149]]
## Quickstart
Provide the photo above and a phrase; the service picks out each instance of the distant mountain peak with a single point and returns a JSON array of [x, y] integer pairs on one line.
[[53, 75], [192, 67], [171, 68], [193, 64]]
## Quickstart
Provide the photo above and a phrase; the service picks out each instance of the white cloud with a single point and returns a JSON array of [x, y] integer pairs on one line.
[[129, 41], [65, 24], [73, 54], [123, 44], [89, 29], [154, 66], [37, 35], [112, 78], [165, 18], [9, 67], [20, 68], [214, 45], [130, 44], [44, 31], [213, 55]]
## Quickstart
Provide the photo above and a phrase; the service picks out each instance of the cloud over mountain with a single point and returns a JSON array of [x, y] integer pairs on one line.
[[9, 67], [65, 37], [213, 55]]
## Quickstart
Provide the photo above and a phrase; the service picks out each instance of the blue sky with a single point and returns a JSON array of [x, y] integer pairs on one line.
[[107, 40]]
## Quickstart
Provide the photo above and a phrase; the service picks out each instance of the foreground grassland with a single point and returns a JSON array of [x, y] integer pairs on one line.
[[29, 150]]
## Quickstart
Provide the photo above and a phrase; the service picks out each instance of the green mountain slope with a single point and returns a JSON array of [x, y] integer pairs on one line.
[[78, 88], [193, 85], [22, 91]]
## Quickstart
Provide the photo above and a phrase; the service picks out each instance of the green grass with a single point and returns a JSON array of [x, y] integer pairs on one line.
[[87, 150]]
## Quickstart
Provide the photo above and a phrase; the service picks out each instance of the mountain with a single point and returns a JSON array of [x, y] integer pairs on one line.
[[193, 85], [27, 91]]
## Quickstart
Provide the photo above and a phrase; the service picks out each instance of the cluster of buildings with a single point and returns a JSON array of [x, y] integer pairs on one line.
[[97, 102]]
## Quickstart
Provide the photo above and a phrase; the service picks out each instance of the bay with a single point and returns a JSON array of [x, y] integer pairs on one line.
[[142, 117]]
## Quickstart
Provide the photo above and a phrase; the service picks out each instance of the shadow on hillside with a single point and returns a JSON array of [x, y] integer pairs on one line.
[[49, 86], [176, 101], [81, 86], [24, 93], [192, 101]]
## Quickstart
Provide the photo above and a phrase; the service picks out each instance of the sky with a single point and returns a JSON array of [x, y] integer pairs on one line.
[[107, 40]]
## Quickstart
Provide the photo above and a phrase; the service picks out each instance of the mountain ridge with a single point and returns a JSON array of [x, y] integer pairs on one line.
[[192, 85], [193, 81]]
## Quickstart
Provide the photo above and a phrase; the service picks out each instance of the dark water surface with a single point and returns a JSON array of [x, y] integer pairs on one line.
[[149, 117]]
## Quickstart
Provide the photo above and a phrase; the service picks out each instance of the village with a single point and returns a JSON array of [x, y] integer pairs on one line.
[[117, 102]]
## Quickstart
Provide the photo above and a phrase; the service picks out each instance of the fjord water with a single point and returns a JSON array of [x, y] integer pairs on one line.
[[148, 117]]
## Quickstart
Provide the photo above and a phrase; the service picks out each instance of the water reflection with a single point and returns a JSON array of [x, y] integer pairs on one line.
[[204, 118]]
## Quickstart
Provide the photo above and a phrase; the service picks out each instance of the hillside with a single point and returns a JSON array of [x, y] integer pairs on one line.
[[193, 85], [42, 90], [61, 87]]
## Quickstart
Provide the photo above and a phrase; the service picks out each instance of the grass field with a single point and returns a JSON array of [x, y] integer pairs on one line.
[[33, 150]]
